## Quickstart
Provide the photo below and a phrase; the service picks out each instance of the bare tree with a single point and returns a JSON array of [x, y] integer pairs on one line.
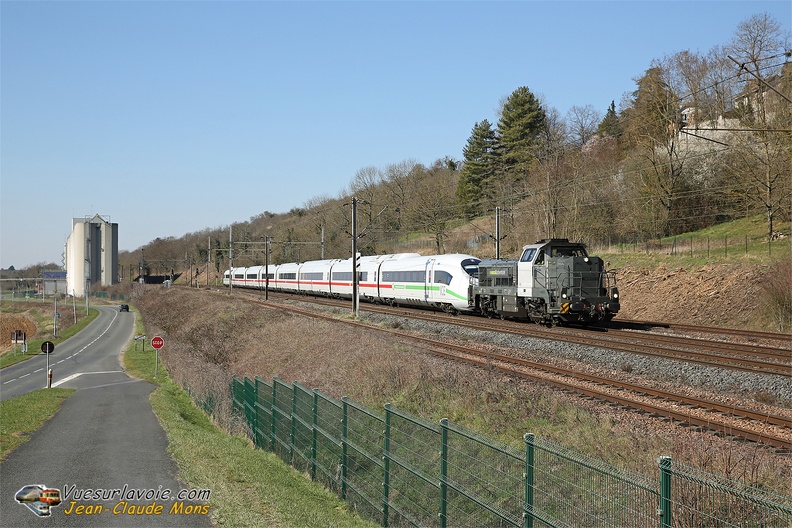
[[582, 122], [765, 152]]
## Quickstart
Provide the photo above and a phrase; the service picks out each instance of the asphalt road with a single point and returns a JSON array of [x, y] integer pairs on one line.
[[104, 450], [80, 361]]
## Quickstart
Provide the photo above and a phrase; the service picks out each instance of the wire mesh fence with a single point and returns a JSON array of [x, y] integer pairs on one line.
[[402, 470]]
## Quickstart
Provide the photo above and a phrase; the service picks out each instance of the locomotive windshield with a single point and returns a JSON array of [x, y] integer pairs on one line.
[[528, 255], [471, 266]]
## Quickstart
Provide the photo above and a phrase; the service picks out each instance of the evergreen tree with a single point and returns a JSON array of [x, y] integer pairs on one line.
[[610, 125], [479, 166], [521, 125]]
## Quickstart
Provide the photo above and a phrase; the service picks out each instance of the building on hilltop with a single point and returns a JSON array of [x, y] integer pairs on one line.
[[91, 254]]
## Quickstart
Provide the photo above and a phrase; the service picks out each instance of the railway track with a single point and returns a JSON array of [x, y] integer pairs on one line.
[[747, 357], [751, 334], [743, 423]]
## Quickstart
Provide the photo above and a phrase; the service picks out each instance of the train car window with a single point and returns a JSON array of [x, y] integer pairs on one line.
[[540, 258], [362, 276], [251, 275], [403, 276], [270, 275], [239, 276], [442, 277], [313, 276], [287, 276], [528, 255]]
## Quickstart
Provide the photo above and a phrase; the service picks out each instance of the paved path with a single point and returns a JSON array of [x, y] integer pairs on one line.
[[104, 437]]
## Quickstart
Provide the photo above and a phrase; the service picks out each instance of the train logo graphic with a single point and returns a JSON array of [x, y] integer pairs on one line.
[[38, 499]]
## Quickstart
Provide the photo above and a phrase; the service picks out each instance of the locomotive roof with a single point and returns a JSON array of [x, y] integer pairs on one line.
[[554, 242]]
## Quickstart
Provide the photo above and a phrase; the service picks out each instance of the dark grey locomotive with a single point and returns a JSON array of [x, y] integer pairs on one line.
[[554, 281]]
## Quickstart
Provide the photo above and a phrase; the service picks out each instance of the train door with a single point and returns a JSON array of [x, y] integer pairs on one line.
[[431, 294], [525, 273]]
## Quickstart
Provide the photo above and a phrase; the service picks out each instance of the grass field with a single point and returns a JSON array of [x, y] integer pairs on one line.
[[249, 487]]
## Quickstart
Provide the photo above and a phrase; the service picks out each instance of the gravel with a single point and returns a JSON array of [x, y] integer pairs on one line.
[[622, 365]]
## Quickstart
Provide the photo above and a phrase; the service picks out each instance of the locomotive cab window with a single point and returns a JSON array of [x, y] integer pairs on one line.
[[528, 255]]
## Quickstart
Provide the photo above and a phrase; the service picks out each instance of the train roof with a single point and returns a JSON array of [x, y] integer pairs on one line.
[[554, 242]]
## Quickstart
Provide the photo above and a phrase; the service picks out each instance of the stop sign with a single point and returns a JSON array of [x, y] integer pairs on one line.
[[157, 342]]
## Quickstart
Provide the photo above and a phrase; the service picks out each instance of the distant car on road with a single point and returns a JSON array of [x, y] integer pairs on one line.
[[124, 308]]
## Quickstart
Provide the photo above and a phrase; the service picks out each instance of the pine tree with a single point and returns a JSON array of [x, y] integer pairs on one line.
[[521, 125], [479, 166], [610, 125]]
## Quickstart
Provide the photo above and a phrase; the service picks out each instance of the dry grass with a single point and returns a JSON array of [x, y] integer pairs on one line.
[[212, 336]]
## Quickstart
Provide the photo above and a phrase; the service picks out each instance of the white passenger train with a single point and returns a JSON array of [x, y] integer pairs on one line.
[[439, 281]]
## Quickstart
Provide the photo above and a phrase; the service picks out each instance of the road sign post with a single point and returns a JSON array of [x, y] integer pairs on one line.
[[47, 347], [156, 342]]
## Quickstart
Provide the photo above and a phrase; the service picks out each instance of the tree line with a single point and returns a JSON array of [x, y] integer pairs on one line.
[[703, 138]]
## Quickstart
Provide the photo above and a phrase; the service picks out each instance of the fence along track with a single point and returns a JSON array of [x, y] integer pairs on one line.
[[403, 470]]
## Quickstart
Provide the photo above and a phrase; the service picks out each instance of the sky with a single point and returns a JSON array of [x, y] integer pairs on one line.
[[172, 117]]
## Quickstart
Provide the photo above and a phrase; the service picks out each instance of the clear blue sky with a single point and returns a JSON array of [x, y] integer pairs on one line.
[[172, 117]]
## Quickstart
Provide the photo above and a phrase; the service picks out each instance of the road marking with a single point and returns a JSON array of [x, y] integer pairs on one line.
[[69, 378], [115, 316]]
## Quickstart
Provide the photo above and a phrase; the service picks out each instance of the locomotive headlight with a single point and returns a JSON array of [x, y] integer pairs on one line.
[[563, 293], [615, 293]]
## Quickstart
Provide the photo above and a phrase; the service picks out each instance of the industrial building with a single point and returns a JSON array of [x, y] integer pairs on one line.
[[91, 254]]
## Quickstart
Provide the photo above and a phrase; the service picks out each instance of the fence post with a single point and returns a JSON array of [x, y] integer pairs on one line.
[[665, 491], [443, 471], [254, 414], [248, 405], [273, 405], [263, 438], [313, 433], [344, 432], [386, 466], [291, 429], [529, 480]]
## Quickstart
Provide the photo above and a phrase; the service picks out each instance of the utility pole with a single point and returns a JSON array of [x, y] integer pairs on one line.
[[497, 233], [266, 267], [355, 299], [230, 258]]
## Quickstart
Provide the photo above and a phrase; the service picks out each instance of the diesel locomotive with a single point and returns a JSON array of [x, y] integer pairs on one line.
[[554, 281]]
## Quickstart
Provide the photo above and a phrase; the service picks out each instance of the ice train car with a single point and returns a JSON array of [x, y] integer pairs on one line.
[[441, 282]]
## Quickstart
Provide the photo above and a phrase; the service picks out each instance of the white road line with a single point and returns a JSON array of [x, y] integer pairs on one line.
[[69, 378], [64, 359]]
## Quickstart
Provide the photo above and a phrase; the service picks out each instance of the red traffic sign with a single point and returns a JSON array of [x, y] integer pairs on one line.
[[157, 342]]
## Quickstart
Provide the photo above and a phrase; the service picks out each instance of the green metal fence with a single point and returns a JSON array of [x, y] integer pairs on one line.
[[402, 470]]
